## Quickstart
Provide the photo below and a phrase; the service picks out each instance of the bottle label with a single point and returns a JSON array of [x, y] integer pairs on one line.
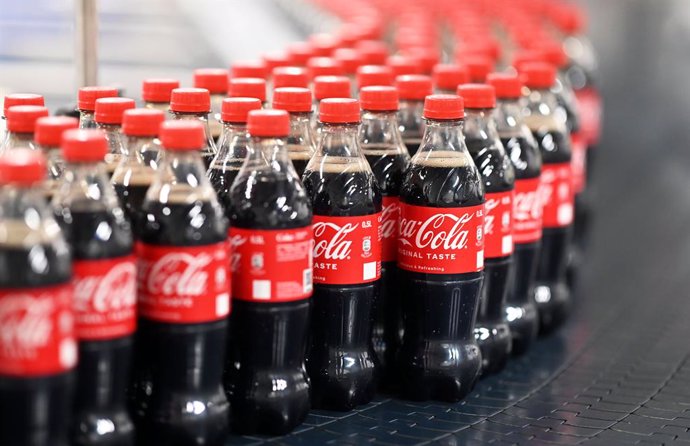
[[557, 195], [105, 298], [579, 161], [527, 211], [498, 224], [590, 110], [184, 284], [390, 216], [441, 240], [271, 265], [37, 331], [347, 250]]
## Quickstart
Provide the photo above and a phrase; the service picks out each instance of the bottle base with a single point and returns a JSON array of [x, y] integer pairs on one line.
[[104, 429], [343, 394], [495, 343], [553, 303], [523, 321]]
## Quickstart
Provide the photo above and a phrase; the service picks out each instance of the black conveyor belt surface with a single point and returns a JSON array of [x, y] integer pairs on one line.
[[618, 372]]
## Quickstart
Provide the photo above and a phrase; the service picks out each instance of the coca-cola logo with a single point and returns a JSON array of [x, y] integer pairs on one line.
[[489, 218], [178, 274], [332, 241], [440, 231], [113, 291], [527, 206], [389, 220], [236, 241], [25, 322]]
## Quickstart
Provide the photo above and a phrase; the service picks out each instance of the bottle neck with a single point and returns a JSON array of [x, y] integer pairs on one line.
[[15, 140], [508, 116], [20, 206], [145, 150], [86, 120], [201, 117], [543, 113], [181, 178], [410, 120], [114, 136], [268, 154], [339, 140], [55, 163], [442, 138], [380, 130], [301, 131], [479, 124], [85, 187], [233, 145]]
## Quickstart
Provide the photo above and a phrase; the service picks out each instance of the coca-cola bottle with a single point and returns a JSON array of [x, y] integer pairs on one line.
[[301, 142], [108, 117], [38, 350], [47, 137], [385, 151], [328, 87], [447, 77], [21, 123], [141, 156], [521, 311], [233, 146], [547, 121], [215, 80], [184, 299], [156, 93], [194, 104], [248, 87], [370, 75], [440, 259], [350, 60], [105, 297], [412, 90], [347, 261], [478, 67], [290, 77], [497, 173], [86, 103], [270, 216]]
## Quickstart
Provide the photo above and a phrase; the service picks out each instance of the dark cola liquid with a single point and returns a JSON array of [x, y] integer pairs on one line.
[[492, 331], [388, 167], [178, 366], [521, 310], [131, 198], [103, 370], [552, 294], [222, 176], [300, 164], [268, 340], [34, 411], [341, 360], [439, 357]]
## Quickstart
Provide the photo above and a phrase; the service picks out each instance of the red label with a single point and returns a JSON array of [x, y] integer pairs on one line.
[[347, 250], [557, 195], [590, 110], [527, 211], [37, 331], [441, 240], [105, 298], [579, 161], [184, 284], [271, 265], [498, 224], [390, 216]]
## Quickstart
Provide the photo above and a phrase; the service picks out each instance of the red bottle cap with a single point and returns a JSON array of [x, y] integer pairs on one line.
[[373, 52], [158, 90], [350, 59], [23, 167], [290, 77], [268, 123], [368, 75], [142, 122], [526, 56], [84, 146], [247, 87], [477, 95], [323, 44], [443, 106], [190, 100], [554, 53], [414, 86], [331, 87], [48, 130], [324, 66], [87, 96], [379, 98], [339, 111], [184, 135], [215, 80], [249, 68], [300, 53], [110, 110], [276, 59], [404, 65], [15, 99], [507, 85], [292, 99], [236, 109], [478, 67], [427, 58], [22, 118], [538, 74], [449, 76]]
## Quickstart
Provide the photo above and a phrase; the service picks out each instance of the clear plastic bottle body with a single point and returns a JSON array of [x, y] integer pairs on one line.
[[36, 409], [411, 124], [162, 106], [268, 340], [86, 119], [210, 151], [116, 145], [233, 148], [56, 165], [14, 140], [215, 123], [439, 356], [301, 141]]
